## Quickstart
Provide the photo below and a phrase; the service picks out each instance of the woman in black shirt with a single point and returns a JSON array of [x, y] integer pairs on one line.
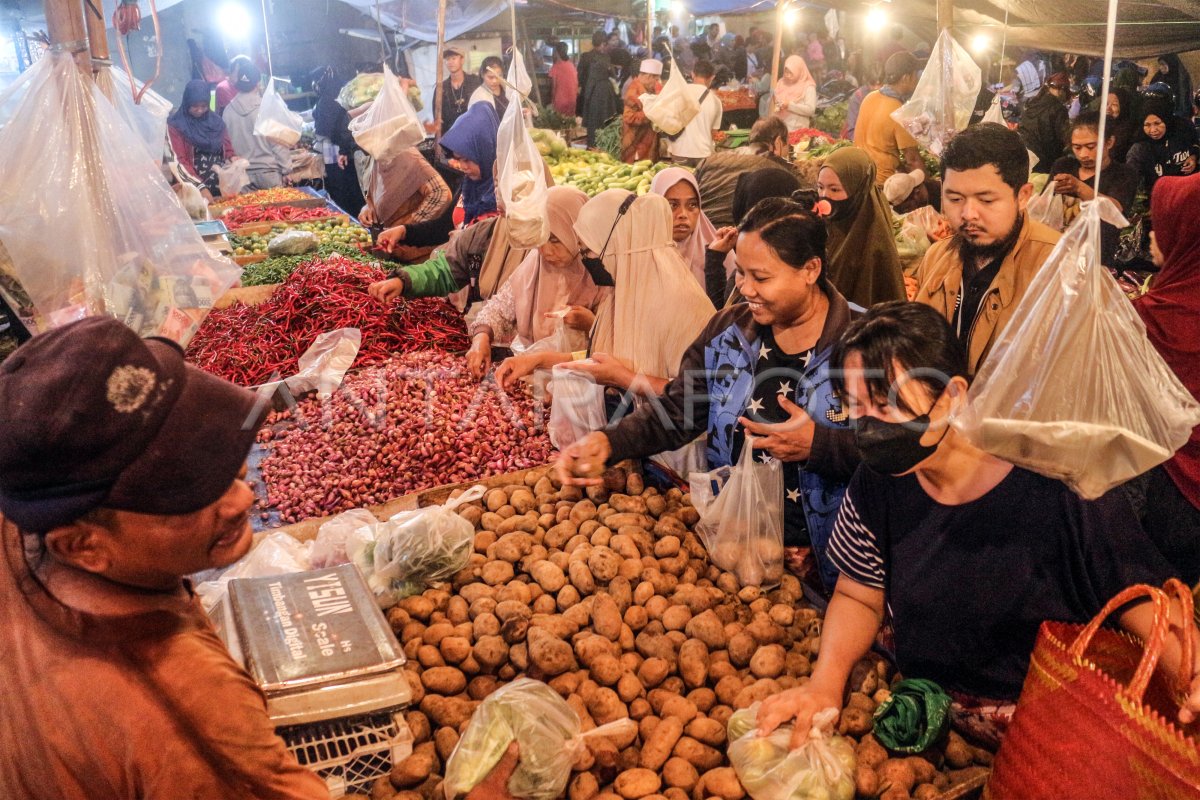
[[1167, 145], [967, 552]]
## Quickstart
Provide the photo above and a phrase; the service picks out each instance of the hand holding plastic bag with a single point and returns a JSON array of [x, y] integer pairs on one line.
[[390, 125], [403, 555], [578, 406], [944, 98], [546, 729], [820, 769], [674, 107], [276, 122], [1047, 208], [741, 517], [1073, 389], [521, 177]]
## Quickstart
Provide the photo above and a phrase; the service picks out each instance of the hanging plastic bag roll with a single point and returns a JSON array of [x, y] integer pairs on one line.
[[674, 107], [1073, 388], [276, 122], [390, 125], [944, 98], [741, 517]]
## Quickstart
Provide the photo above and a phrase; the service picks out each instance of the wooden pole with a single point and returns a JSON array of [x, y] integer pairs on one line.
[[780, 13], [66, 29], [93, 12], [437, 87], [649, 42]]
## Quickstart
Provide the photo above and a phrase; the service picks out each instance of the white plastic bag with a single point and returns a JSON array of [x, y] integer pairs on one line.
[[521, 176], [88, 221], [277, 554], [293, 243], [937, 110], [546, 730], [412, 549], [1047, 208], [1073, 389], [329, 548], [322, 367], [674, 107], [147, 118], [996, 114], [741, 516], [276, 122], [823, 767], [390, 125], [578, 407], [233, 177]]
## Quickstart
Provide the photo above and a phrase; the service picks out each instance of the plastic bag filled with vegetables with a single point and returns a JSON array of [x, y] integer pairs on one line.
[[293, 243], [401, 556], [820, 769], [544, 726]]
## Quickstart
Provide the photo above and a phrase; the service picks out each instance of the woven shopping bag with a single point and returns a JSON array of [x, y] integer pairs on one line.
[[1095, 720]]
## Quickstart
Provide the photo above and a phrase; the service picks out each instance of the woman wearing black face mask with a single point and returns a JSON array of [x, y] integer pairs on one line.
[[863, 261], [968, 553], [759, 368]]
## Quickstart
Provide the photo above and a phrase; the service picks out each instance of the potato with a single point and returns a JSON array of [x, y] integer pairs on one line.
[[584, 786], [958, 752], [583, 511], [728, 689], [606, 617], [581, 577], [866, 781], [637, 618], [856, 722], [706, 731], [658, 746], [634, 784], [667, 546], [700, 756], [447, 711], [415, 769], [676, 618], [693, 663], [923, 771], [549, 576], [767, 662], [444, 680], [606, 670], [723, 782], [604, 564], [679, 773], [653, 672], [629, 688], [926, 791], [418, 725], [756, 692], [605, 706], [418, 607], [708, 628], [679, 707], [429, 656], [455, 649], [549, 654], [497, 572], [897, 773], [490, 651], [742, 648]]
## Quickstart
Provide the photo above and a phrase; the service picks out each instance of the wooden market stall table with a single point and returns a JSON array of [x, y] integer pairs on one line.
[[739, 107]]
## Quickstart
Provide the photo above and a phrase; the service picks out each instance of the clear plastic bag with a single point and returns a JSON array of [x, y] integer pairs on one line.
[[148, 118], [233, 177], [820, 769], [276, 122], [578, 407], [1073, 389], [741, 516], [333, 537], [546, 730], [995, 113], [323, 365], [277, 554], [521, 177], [293, 243], [390, 125], [936, 111], [88, 222], [1047, 208], [412, 549], [674, 107]]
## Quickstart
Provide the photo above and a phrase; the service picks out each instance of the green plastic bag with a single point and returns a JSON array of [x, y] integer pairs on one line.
[[914, 717]]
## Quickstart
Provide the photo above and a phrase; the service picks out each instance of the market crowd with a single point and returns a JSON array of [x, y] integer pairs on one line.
[[744, 307]]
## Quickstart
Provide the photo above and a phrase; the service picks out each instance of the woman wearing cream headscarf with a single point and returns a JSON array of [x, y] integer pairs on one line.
[[691, 230], [550, 284], [656, 309], [795, 98]]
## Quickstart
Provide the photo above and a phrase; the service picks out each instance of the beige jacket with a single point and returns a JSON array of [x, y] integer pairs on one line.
[[940, 278]]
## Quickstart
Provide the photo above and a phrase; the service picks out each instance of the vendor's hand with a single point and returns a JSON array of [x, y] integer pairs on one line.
[[605, 370], [287, 180], [787, 441], [343, 161], [1065, 183], [386, 291], [367, 216], [725, 239], [513, 368], [582, 463], [495, 785], [479, 357], [797, 706], [1189, 166], [578, 317], [391, 238]]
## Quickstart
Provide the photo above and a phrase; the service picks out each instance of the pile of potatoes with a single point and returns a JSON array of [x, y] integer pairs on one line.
[[610, 598]]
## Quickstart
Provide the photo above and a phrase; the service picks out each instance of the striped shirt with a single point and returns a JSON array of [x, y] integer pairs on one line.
[[854, 548]]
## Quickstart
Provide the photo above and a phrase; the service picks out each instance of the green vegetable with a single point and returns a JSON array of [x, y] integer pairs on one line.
[[608, 138], [275, 270], [552, 120], [831, 119]]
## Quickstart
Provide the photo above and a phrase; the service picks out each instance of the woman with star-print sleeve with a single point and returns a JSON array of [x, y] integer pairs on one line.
[[760, 368]]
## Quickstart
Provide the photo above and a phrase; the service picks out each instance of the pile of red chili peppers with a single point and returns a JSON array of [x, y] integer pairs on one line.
[[250, 345], [235, 218]]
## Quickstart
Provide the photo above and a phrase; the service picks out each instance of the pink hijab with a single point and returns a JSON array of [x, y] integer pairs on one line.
[[692, 248], [791, 92], [537, 291]]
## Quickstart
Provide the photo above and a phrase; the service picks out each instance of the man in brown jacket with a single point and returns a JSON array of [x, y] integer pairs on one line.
[[977, 278]]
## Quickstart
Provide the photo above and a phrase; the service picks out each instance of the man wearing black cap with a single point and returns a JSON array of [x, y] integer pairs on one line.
[[121, 471], [886, 141], [1045, 125], [457, 88]]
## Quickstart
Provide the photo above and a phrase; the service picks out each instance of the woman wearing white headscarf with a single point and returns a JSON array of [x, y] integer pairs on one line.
[[795, 98], [550, 285], [690, 227], [656, 310]]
